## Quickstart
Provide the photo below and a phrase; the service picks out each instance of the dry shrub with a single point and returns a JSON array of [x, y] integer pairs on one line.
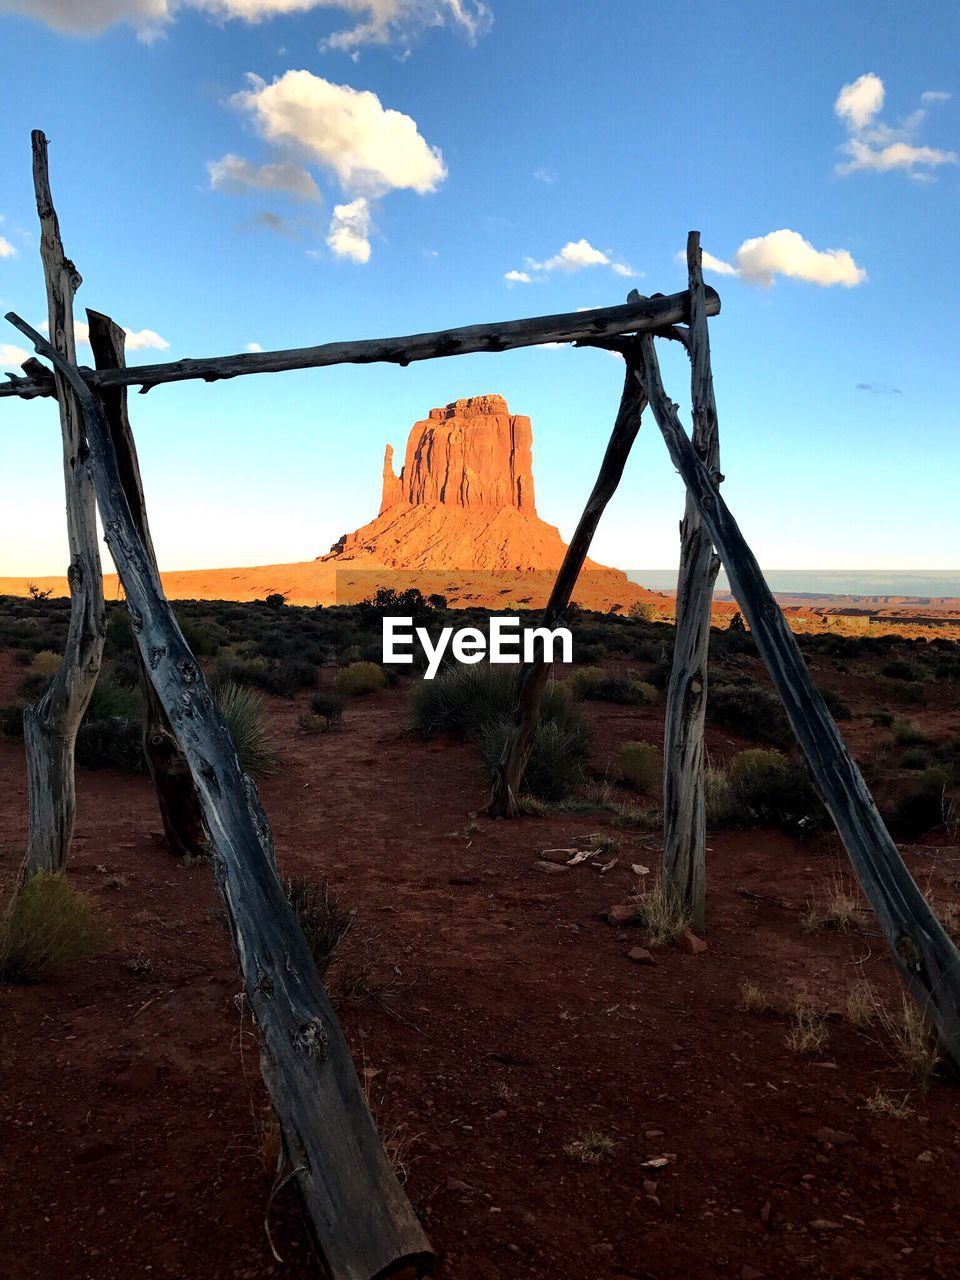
[[661, 914], [860, 1006], [911, 1038], [809, 1031], [324, 922], [755, 1000], [360, 678], [838, 909], [46, 926], [639, 765], [589, 1147], [46, 662], [881, 1103]]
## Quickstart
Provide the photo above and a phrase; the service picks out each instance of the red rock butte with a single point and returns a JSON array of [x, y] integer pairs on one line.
[[459, 520]]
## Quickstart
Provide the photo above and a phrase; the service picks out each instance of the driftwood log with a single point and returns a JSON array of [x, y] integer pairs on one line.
[[364, 1224], [50, 725], [641, 315], [683, 870], [921, 949], [176, 796], [532, 676]]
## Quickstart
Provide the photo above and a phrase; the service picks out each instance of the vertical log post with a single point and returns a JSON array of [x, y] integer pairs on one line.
[[683, 869], [169, 771], [532, 676], [920, 948], [50, 725], [365, 1226]]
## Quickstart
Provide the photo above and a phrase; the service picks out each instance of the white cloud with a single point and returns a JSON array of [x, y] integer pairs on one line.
[[10, 354], [144, 340], [369, 148], [233, 174], [879, 147], [574, 256], [6, 248], [786, 253], [253, 346], [378, 21], [349, 235], [545, 175], [859, 102]]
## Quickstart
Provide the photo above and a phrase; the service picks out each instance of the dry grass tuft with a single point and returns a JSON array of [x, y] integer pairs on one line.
[[911, 1037], [661, 914], [755, 1000], [589, 1147], [45, 927], [881, 1103], [809, 1031], [839, 909], [860, 1007]]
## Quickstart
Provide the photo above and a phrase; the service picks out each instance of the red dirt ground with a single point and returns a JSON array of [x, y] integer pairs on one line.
[[131, 1104]]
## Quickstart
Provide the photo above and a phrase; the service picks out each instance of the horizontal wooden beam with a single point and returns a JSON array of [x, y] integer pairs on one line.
[[644, 315]]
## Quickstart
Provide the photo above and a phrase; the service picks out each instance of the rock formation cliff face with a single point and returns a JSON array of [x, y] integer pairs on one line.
[[464, 501], [473, 454]]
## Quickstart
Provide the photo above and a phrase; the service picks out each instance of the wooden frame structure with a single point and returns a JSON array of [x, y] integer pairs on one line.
[[364, 1224]]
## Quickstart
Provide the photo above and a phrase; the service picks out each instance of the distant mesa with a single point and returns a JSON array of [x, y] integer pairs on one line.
[[463, 504]]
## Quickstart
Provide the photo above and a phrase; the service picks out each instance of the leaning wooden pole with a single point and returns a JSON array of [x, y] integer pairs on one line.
[[364, 1224], [683, 869], [50, 725], [532, 676], [921, 949], [176, 796]]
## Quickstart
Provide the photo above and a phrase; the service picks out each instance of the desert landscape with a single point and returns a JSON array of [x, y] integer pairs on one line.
[[398, 881]]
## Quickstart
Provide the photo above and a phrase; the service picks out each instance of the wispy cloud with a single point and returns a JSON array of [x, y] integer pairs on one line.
[[545, 175], [253, 346], [879, 389], [874, 146], [11, 355], [576, 255], [376, 22], [236, 176], [786, 253], [6, 248]]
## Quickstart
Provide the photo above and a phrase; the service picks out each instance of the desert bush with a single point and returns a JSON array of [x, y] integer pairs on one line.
[[559, 752], [595, 684], [916, 758], [644, 610], [359, 679], [328, 707], [906, 734], [46, 663], [275, 600], [11, 720], [324, 922], [837, 705], [283, 678], [112, 728], [749, 709], [898, 669], [639, 765], [245, 714], [582, 681], [46, 926], [764, 786], [922, 806]]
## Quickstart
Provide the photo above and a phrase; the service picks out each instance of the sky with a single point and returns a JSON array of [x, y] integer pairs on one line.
[[233, 174]]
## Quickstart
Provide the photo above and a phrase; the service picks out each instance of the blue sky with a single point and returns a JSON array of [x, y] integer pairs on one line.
[[335, 170]]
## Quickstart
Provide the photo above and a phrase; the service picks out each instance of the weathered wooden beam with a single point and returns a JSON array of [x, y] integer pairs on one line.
[[683, 868], [919, 946], [176, 796], [363, 1221], [636, 317], [50, 725], [532, 676]]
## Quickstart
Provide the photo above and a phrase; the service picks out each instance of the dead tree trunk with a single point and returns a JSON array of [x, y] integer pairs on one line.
[[364, 1223], [532, 676], [683, 870], [921, 950], [50, 725], [169, 771]]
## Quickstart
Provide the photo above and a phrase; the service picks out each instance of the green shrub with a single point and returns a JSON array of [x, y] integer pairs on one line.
[[359, 679], [328, 706], [595, 684], [245, 714], [766, 787], [324, 922], [838, 707], [898, 669], [582, 681], [283, 678], [556, 760], [112, 729], [45, 926], [750, 710], [639, 765]]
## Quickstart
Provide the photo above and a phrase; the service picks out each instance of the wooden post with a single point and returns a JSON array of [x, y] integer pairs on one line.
[[176, 796], [50, 725], [365, 1226], [920, 948], [683, 870], [532, 676]]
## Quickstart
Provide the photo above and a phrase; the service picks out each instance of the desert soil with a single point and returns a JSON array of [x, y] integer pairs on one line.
[[132, 1114]]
